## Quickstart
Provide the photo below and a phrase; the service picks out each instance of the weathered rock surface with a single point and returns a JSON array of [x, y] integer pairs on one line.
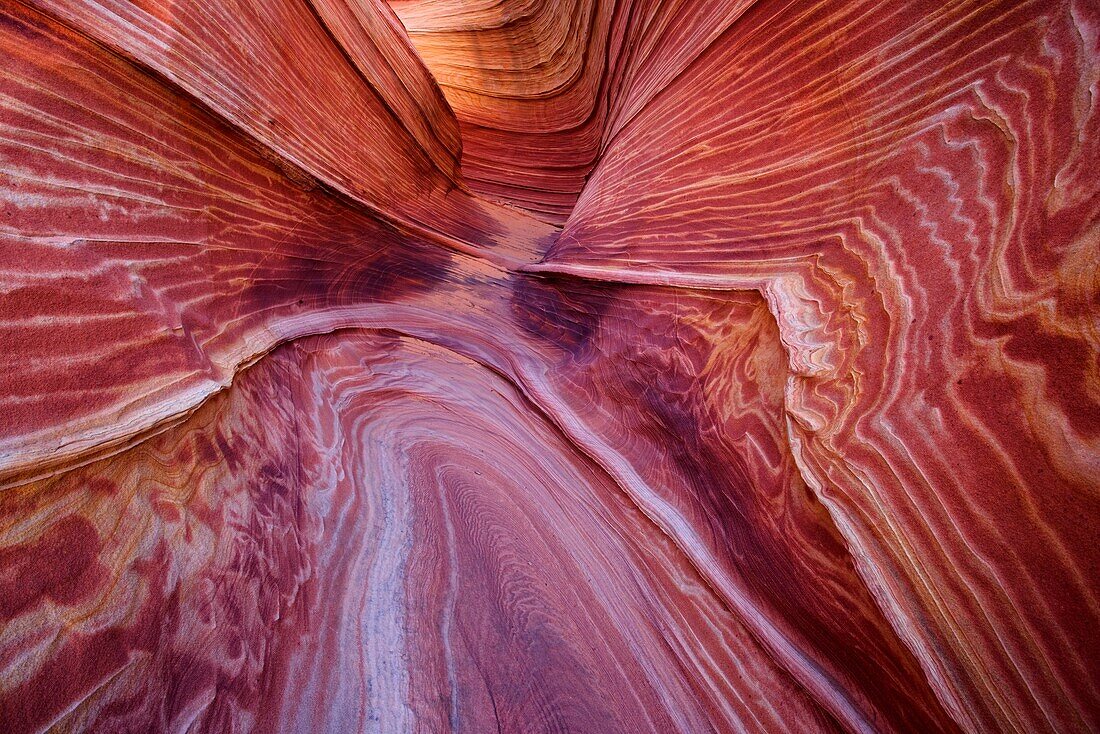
[[530, 366]]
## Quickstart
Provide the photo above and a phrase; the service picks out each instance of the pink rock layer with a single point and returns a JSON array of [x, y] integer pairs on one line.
[[533, 366]]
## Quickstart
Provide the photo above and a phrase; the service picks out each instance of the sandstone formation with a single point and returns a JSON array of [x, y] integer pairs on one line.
[[549, 366]]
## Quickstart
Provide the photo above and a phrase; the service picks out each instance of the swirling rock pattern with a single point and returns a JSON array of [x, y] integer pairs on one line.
[[521, 366]]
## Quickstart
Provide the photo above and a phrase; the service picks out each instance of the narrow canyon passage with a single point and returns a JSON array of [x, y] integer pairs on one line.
[[524, 366]]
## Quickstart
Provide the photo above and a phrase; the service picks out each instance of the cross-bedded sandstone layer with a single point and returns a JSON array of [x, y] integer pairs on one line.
[[587, 366]]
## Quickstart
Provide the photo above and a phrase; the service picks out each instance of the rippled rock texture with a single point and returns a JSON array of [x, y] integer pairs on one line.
[[549, 366]]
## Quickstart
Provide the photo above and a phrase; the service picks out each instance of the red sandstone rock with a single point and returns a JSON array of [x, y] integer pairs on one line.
[[539, 366]]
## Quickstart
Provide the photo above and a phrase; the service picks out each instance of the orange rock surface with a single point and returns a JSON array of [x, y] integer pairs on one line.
[[549, 366]]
